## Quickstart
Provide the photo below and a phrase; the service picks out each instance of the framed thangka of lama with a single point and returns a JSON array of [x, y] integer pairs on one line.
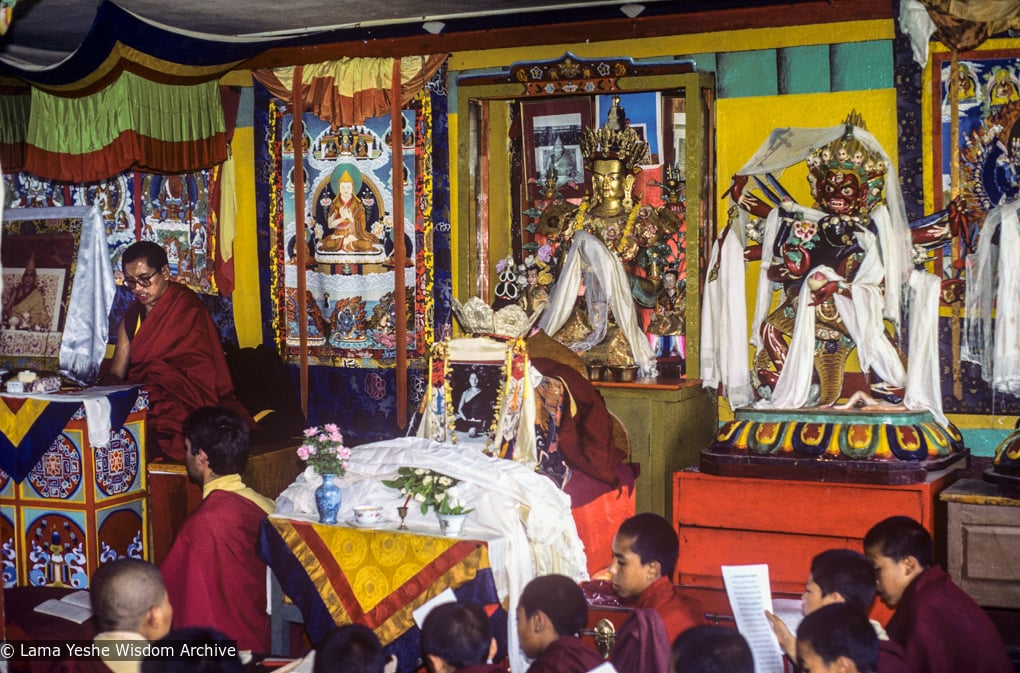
[[348, 235]]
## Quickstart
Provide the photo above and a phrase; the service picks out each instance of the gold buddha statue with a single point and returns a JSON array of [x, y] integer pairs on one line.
[[634, 234]]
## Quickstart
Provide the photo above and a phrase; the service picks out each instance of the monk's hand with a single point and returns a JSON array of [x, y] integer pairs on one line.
[[786, 639]]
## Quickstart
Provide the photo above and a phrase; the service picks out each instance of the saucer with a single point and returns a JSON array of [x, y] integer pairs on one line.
[[373, 524]]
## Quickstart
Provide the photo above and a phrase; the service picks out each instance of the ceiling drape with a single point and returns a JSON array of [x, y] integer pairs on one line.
[[132, 124], [351, 90]]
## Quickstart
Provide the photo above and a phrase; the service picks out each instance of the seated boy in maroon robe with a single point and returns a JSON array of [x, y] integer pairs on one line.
[[837, 638], [457, 638], [167, 342], [550, 613], [709, 649], [940, 627], [212, 573], [645, 550], [843, 576]]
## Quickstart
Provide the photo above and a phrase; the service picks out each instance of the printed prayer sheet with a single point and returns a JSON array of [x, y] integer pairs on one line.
[[750, 595]]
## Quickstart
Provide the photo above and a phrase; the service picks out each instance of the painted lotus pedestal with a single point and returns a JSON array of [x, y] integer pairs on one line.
[[78, 507], [887, 446]]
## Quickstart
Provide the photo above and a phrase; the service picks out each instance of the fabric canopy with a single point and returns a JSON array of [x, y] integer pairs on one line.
[[120, 41], [135, 95], [351, 90], [961, 25], [131, 124]]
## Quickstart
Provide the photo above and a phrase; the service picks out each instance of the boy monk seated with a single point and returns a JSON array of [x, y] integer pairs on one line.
[[550, 613], [940, 627], [457, 638], [836, 638], [842, 576], [645, 550]]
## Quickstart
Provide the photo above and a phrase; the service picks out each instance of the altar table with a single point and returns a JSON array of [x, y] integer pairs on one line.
[[341, 574], [72, 484]]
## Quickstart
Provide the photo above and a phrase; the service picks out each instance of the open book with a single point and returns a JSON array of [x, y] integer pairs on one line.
[[75, 607]]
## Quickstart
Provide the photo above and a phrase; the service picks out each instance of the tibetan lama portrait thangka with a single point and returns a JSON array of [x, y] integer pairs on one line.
[[348, 235], [613, 249]]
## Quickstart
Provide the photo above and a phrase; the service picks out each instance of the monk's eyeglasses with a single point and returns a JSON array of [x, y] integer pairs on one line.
[[142, 281]]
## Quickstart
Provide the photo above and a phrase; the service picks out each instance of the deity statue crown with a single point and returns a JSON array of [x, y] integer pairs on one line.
[[847, 159], [613, 141]]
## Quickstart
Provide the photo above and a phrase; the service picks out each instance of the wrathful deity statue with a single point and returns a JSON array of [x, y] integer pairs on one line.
[[619, 244], [840, 266]]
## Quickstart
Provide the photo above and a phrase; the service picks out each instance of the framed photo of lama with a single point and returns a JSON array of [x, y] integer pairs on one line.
[[552, 145]]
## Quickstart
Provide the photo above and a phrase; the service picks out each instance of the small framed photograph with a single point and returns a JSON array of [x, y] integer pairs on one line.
[[552, 145], [474, 390]]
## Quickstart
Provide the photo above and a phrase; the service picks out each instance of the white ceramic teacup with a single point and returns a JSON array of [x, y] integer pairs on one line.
[[367, 514]]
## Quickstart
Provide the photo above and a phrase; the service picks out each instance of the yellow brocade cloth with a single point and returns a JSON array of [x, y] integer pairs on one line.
[[378, 577]]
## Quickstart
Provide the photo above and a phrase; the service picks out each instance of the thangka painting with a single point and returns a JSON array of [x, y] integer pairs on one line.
[[176, 211], [348, 236], [989, 149], [38, 259]]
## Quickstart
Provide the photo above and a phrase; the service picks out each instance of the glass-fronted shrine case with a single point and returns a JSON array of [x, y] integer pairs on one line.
[[532, 141]]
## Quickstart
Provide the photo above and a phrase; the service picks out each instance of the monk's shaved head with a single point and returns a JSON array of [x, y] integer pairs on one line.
[[123, 592]]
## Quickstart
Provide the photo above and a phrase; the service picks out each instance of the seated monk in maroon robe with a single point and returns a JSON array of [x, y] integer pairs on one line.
[[645, 550], [212, 573], [551, 612], [941, 628], [168, 343]]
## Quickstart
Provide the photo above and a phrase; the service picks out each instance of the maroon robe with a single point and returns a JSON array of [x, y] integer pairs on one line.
[[213, 576], [678, 612], [892, 658], [641, 644], [176, 354], [566, 655], [943, 630]]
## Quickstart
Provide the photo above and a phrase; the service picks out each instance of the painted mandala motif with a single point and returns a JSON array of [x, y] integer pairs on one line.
[[58, 472], [117, 463]]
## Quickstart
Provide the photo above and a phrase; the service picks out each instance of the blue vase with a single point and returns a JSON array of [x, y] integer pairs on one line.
[[327, 499]]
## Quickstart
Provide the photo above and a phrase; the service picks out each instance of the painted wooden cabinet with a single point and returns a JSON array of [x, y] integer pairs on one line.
[[79, 507], [668, 423], [784, 523]]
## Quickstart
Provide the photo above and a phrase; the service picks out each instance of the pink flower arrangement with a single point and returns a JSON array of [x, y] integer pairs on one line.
[[323, 449]]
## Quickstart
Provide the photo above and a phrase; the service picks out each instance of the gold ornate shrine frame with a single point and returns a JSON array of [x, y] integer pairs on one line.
[[492, 190]]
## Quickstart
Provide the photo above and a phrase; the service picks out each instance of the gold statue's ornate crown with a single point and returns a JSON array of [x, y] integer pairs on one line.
[[614, 141], [624, 145]]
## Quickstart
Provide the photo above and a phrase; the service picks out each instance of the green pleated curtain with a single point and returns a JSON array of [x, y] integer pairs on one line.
[[132, 124]]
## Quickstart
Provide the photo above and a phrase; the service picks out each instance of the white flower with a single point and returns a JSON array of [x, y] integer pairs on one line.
[[445, 481], [419, 470], [418, 497], [428, 480], [440, 497]]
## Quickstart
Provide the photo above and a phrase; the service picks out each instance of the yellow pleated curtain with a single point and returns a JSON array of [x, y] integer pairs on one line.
[[346, 93]]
